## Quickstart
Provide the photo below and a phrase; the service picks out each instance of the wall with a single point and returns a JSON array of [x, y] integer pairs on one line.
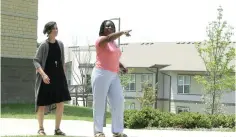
[[18, 46], [138, 72], [193, 100], [79, 55], [196, 91], [198, 107]]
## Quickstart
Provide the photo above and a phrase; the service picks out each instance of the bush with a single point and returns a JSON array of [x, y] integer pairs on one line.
[[149, 117], [127, 115], [218, 120], [204, 121], [191, 120], [141, 119], [163, 119], [226, 121], [230, 121]]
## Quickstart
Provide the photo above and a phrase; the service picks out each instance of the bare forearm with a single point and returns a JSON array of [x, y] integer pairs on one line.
[[114, 36], [41, 72]]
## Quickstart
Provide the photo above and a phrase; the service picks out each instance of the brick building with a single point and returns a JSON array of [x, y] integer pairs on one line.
[[18, 46]]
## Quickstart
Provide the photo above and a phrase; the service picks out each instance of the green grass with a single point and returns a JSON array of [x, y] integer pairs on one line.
[[27, 111], [39, 136], [195, 129]]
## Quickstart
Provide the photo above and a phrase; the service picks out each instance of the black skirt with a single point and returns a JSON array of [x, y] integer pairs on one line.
[[57, 91]]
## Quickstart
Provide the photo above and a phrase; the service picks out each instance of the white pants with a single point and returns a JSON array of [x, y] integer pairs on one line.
[[106, 83]]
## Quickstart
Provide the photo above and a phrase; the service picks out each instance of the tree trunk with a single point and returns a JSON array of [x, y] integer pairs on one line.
[[83, 91], [214, 94], [213, 103], [76, 96]]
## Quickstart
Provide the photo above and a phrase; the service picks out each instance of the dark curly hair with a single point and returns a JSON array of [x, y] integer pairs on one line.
[[102, 27], [49, 27]]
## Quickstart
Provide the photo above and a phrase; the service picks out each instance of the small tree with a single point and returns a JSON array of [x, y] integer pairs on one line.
[[147, 97], [81, 70], [125, 78], [217, 53]]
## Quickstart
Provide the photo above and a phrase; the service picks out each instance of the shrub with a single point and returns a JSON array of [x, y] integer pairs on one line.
[[204, 121], [191, 120], [141, 119], [149, 117], [230, 121], [127, 115], [163, 119], [220, 120]]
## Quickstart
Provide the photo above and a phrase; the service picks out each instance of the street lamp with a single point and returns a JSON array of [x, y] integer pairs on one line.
[[118, 28], [104, 119]]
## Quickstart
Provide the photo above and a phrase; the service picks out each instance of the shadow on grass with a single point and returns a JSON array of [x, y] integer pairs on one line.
[[28, 111]]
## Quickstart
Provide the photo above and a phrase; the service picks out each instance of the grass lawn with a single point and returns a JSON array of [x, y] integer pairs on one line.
[[39, 136], [27, 111], [195, 129]]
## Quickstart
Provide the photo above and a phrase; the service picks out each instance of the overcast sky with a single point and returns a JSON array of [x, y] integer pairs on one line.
[[150, 20]]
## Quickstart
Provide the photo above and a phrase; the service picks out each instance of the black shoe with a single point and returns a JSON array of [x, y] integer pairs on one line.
[[59, 132]]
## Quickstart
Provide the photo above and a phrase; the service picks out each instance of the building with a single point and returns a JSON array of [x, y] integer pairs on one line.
[[18, 46], [79, 64], [173, 66]]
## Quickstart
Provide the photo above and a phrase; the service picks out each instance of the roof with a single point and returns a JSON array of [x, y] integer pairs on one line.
[[167, 56], [181, 56]]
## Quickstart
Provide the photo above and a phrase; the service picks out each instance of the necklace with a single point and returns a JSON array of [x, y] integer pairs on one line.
[[56, 63]]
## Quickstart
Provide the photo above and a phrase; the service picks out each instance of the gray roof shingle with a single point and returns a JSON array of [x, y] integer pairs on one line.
[[182, 56]]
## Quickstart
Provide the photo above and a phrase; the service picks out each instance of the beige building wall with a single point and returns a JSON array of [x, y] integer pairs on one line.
[[168, 98], [138, 72], [193, 100], [18, 46], [19, 28], [197, 107]]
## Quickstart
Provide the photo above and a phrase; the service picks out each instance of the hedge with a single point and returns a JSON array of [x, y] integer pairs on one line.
[[149, 117]]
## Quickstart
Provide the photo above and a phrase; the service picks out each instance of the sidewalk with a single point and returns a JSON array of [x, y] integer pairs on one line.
[[11, 127]]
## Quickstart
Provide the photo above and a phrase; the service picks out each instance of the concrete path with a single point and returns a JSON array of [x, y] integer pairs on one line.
[[11, 127]]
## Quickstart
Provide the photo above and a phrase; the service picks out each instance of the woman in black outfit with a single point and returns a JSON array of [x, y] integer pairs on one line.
[[51, 85]]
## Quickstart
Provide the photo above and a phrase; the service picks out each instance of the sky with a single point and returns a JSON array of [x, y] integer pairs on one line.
[[150, 20]]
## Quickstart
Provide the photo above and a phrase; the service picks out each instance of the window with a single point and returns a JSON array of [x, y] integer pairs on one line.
[[131, 84], [130, 106], [146, 78], [182, 109], [183, 84]]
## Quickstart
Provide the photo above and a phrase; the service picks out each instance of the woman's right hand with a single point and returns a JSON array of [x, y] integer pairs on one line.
[[127, 33], [46, 79]]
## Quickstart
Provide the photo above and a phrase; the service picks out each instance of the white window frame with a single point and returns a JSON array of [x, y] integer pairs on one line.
[[131, 82], [184, 84], [148, 77], [130, 105], [183, 108]]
